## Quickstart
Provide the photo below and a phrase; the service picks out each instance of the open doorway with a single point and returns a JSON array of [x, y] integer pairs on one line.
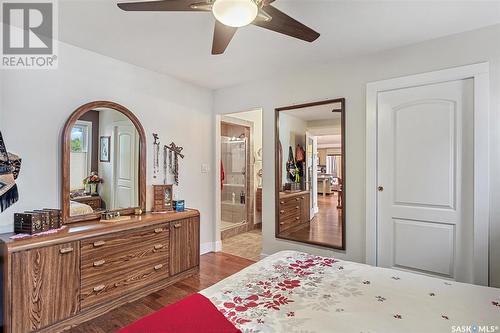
[[240, 179]]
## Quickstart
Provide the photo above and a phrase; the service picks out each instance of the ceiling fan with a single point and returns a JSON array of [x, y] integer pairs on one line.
[[231, 15]]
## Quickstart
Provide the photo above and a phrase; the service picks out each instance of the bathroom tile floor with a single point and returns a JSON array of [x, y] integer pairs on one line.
[[247, 245]]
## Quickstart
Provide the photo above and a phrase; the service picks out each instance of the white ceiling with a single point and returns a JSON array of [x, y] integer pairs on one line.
[[326, 141], [179, 44]]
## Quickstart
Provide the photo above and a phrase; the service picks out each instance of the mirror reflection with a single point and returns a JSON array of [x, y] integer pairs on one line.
[[310, 184], [104, 163]]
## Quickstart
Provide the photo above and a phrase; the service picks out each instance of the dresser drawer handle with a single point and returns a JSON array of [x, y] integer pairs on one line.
[[297, 218], [158, 230], [99, 288], [158, 246], [282, 202], [282, 211], [99, 243], [281, 223], [297, 199], [177, 226], [159, 266], [99, 263], [302, 198], [297, 207], [66, 250]]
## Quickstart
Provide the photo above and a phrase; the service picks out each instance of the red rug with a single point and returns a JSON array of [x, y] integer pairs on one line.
[[194, 314]]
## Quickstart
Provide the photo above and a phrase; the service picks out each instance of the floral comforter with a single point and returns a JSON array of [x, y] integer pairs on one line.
[[298, 292]]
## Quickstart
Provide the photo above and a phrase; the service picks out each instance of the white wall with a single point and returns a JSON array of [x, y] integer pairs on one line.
[[38, 102], [292, 132], [348, 79]]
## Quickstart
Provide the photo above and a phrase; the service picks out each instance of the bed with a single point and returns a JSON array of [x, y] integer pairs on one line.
[[298, 292], [78, 208]]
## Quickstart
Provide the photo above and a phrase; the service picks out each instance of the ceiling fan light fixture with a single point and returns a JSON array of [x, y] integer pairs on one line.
[[235, 13]]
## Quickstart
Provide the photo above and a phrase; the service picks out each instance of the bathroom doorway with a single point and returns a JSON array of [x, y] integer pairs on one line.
[[240, 221]]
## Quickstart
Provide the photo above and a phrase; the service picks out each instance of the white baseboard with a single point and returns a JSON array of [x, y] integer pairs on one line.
[[210, 247]]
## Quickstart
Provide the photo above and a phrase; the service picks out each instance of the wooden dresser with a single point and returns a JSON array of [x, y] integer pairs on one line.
[[54, 282], [294, 210]]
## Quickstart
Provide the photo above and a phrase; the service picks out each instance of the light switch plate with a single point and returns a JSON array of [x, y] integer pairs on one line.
[[205, 168]]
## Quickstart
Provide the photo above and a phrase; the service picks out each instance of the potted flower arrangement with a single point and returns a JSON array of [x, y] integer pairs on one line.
[[91, 183]]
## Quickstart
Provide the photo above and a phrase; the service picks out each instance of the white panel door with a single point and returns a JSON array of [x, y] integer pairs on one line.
[[125, 167], [425, 176]]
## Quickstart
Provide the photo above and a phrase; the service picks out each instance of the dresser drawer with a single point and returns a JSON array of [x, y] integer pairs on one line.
[[113, 244], [101, 266], [291, 208], [288, 222], [128, 281], [290, 201]]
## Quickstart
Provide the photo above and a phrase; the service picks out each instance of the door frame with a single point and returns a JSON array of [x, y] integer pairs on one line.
[[480, 74], [216, 246]]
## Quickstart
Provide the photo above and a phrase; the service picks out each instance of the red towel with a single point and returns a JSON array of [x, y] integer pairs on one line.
[[222, 175], [194, 314]]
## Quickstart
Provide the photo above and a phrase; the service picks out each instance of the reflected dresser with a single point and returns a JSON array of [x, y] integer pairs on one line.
[[294, 211], [54, 282]]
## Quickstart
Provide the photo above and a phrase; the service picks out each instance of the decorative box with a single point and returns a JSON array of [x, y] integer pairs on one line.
[[27, 223], [162, 196], [55, 217], [179, 205], [45, 218]]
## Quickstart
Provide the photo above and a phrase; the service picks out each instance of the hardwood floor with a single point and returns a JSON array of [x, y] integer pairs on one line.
[[213, 268], [326, 227]]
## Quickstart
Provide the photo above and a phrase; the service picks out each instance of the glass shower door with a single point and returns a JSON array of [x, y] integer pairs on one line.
[[233, 182]]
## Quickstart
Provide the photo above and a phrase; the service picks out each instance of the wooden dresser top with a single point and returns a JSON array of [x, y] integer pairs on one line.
[[286, 195], [82, 230]]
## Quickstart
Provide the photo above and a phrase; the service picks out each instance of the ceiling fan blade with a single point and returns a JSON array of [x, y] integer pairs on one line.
[[222, 36], [161, 6], [286, 25]]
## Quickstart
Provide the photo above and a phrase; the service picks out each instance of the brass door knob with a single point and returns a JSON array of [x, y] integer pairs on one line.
[[380, 188]]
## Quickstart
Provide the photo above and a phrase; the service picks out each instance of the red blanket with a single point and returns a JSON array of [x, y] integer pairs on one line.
[[194, 314]]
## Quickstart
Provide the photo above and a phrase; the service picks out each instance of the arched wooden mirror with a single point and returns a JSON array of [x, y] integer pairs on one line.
[[103, 162]]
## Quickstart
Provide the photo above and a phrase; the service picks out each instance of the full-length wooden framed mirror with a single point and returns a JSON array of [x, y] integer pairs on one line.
[[103, 162], [310, 173]]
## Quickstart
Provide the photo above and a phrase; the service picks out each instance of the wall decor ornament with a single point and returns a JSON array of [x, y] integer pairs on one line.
[[104, 146], [174, 165], [156, 155], [10, 165]]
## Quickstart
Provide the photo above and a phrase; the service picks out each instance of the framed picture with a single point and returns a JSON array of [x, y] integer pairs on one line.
[[163, 198], [104, 147]]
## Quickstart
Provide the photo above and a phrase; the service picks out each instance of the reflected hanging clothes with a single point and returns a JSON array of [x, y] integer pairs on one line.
[[222, 175], [290, 165], [300, 156]]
